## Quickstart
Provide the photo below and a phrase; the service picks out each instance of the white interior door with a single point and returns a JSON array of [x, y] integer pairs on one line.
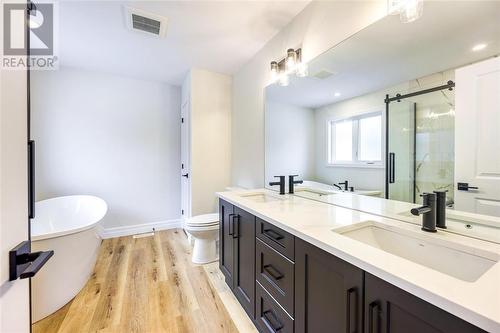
[[477, 137], [14, 295], [185, 162]]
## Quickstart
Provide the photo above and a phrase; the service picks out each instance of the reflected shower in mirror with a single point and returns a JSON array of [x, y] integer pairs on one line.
[[395, 111]]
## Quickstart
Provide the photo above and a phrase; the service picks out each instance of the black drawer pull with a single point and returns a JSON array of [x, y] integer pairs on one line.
[[236, 226], [273, 272], [273, 234], [373, 314], [269, 318], [352, 310], [231, 226]]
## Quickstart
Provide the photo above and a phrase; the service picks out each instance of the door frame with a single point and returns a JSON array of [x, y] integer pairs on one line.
[[185, 167]]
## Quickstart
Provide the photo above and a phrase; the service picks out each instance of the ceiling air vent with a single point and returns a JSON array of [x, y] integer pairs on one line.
[[144, 22], [322, 74]]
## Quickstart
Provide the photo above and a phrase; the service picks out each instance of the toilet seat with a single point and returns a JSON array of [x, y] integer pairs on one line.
[[203, 221], [201, 228]]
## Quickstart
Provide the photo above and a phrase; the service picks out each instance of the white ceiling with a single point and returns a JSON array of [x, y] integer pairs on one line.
[[389, 52], [219, 36]]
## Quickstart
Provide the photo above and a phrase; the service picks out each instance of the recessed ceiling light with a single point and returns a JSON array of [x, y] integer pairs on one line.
[[479, 47], [337, 94]]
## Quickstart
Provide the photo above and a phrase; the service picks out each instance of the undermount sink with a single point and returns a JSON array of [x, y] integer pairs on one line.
[[261, 197], [312, 192], [452, 259]]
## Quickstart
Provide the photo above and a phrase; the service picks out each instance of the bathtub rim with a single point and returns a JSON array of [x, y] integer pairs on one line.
[[65, 232]]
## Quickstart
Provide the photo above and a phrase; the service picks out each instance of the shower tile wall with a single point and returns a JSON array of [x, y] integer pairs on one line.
[[435, 143]]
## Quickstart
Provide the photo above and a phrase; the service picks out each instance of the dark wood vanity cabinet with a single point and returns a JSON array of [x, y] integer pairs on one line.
[[226, 247], [286, 285], [237, 253], [328, 292], [390, 309], [244, 259]]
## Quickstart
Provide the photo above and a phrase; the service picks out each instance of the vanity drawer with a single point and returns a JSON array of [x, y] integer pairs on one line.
[[270, 317], [276, 273], [281, 241]]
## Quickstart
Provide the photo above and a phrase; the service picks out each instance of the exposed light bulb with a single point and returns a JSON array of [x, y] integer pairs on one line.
[[336, 94], [411, 10], [302, 70], [274, 71], [479, 47], [284, 80], [291, 59]]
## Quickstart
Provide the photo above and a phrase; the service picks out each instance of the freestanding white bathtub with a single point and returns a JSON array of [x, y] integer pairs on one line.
[[67, 225]]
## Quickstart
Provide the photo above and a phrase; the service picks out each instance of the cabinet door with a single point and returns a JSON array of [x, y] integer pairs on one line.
[[226, 241], [244, 259], [328, 292], [389, 309]]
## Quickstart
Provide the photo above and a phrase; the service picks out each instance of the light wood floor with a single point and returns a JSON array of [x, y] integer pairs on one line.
[[149, 285]]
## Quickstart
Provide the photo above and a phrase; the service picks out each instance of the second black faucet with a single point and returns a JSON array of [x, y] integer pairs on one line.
[[291, 183]]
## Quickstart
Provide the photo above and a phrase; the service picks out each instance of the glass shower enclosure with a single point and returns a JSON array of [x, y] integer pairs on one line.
[[420, 143]]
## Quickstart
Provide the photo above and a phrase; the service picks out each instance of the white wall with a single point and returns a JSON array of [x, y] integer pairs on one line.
[[110, 136], [210, 119], [321, 25], [290, 146], [366, 178]]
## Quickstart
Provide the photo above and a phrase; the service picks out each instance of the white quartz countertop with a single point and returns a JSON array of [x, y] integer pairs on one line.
[[477, 302]]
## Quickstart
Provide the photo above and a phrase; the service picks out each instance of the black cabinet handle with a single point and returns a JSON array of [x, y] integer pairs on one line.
[[269, 318], [273, 272], [186, 175], [231, 226], [373, 317], [352, 310], [31, 179], [36, 264], [273, 234], [236, 226], [466, 187]]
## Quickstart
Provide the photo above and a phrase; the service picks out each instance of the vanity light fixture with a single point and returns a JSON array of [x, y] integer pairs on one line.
[[291, 64], [291, 59], [274, 71], [479, 47], [408, 10]]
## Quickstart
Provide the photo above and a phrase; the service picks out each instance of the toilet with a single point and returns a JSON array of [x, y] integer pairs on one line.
[[204, 230]]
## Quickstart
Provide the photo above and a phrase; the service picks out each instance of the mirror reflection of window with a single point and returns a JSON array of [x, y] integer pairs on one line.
[[356, 140], [370, 139], [343, 141]]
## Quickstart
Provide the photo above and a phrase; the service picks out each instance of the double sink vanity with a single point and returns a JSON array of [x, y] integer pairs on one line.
[[299, 265], [392, 218]]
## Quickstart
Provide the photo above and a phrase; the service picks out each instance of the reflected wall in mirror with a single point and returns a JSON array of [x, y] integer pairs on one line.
[[398, 110]]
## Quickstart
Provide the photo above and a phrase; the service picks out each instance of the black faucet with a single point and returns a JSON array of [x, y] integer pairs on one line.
[[337, 186], [346, 185], [428, 212], [441, 209], [292, 182], [281, 183]]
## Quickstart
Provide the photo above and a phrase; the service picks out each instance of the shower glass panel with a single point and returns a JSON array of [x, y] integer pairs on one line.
[[421, 145], [401, 147], [435, 143]]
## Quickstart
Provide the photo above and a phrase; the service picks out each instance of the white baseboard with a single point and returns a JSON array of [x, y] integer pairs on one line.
[[129, 230]]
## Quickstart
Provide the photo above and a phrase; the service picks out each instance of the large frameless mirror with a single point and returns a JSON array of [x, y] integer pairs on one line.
[[397, 110]]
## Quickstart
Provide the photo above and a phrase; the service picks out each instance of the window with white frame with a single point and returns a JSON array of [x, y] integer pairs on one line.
[[356, 141]]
